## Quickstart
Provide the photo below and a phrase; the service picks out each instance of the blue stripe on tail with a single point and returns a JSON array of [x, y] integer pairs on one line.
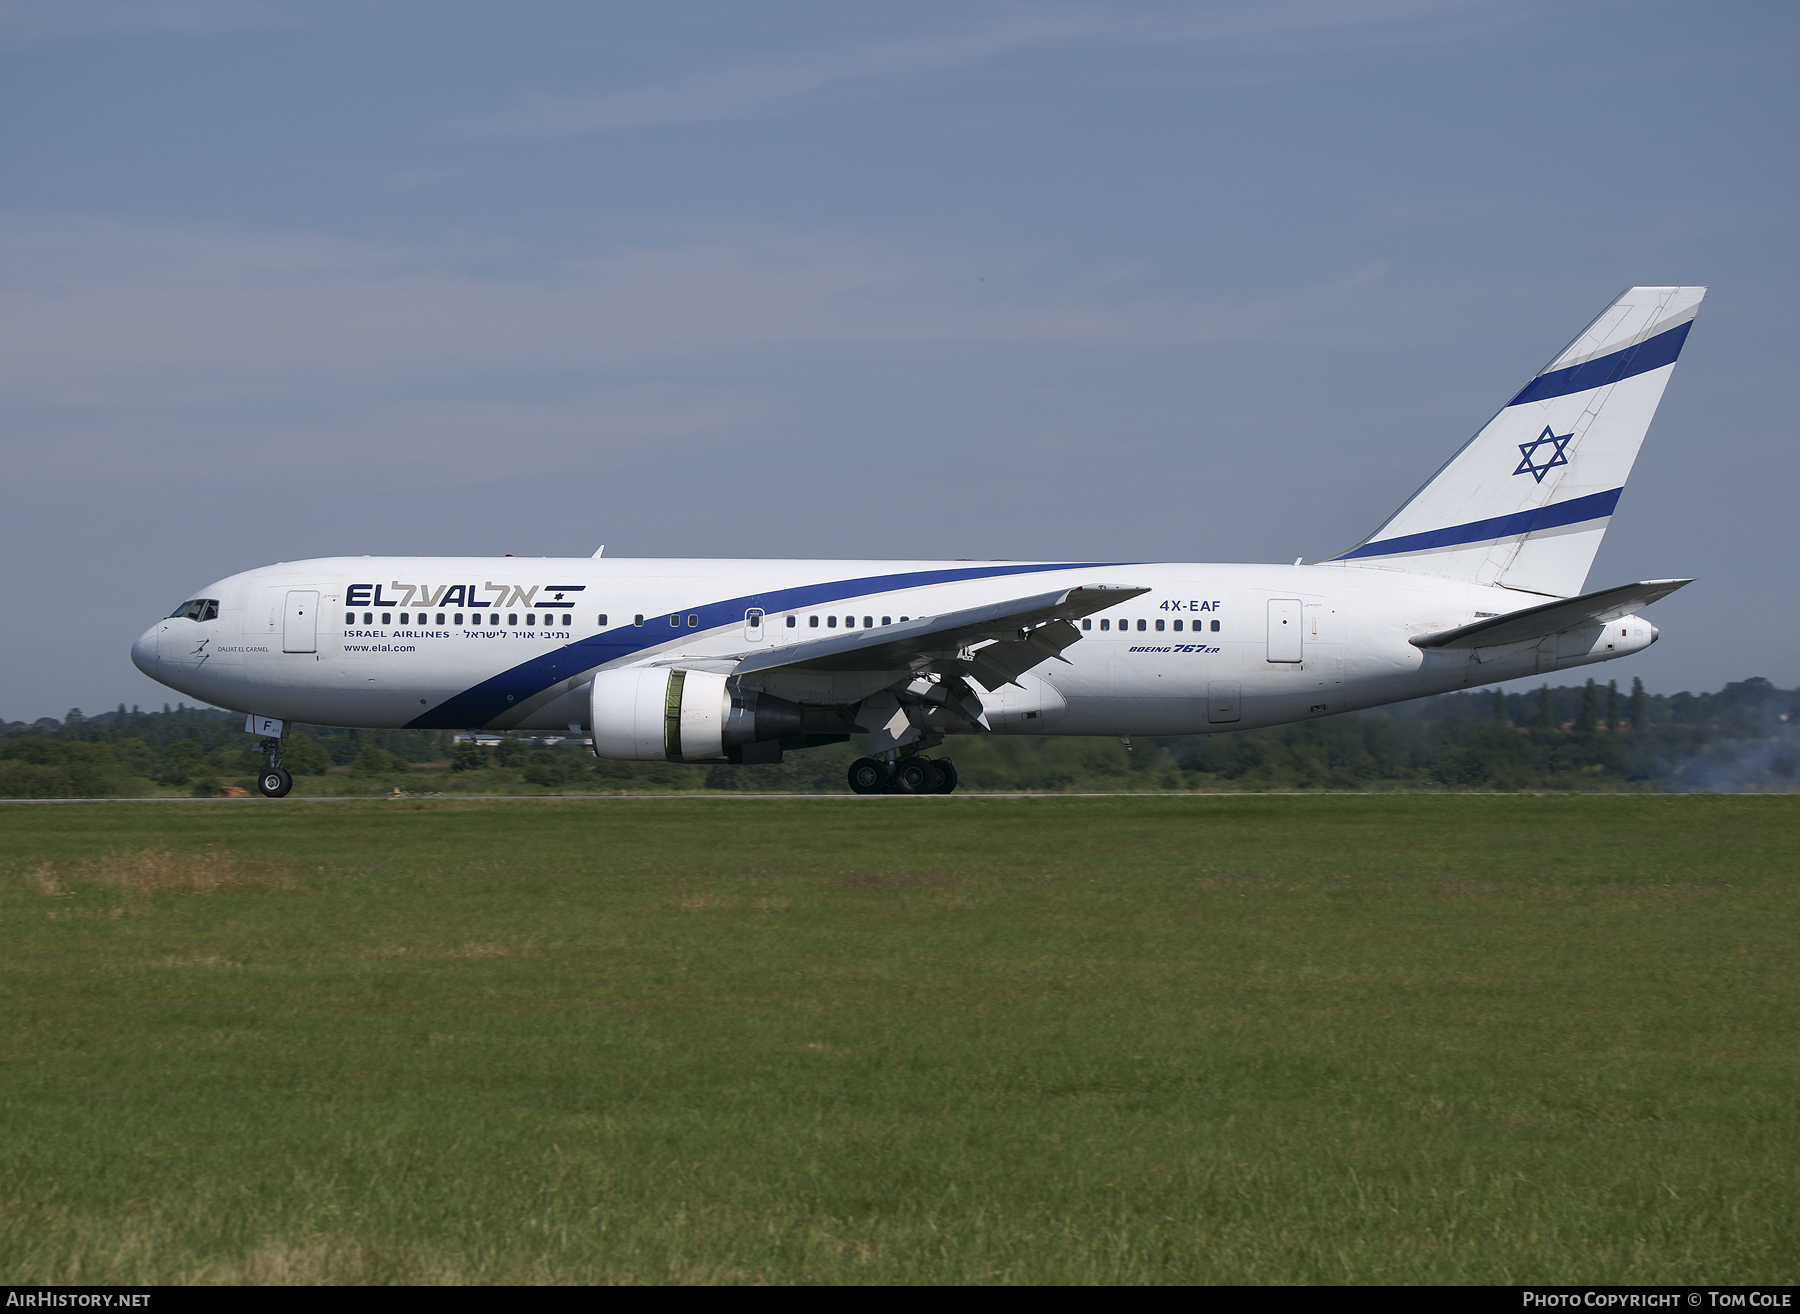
[[1555, 516], [1649, 355]]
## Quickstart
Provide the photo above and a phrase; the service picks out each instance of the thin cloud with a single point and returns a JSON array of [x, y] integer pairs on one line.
[[769, 84], [415, 443], [104, 314]]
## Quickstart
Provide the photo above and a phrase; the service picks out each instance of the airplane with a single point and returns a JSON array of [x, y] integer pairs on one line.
[[1476, 579]]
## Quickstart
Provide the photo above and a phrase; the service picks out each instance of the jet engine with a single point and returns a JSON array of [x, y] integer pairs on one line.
[[669, 714]]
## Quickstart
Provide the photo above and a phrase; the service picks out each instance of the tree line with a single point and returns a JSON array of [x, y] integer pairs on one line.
[[1746, 736]]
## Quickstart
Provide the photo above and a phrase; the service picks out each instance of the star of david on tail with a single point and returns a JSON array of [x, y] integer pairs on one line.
[[1531, 450]]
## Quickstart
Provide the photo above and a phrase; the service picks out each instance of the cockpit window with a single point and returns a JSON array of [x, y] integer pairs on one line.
[[198, 609], [180, 611]]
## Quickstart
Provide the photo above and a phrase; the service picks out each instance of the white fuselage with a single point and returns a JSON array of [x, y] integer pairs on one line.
[[514, 643]]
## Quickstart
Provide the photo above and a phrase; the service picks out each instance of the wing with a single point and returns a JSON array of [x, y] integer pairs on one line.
[[1016, 634], [1552, 617]]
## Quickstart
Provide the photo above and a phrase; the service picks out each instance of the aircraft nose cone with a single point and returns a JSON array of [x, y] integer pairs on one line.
[[143, 652]]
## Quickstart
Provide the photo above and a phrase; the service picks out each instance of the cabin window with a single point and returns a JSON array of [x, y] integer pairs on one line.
[[793, 621], [403, 619], [868, 622], [349, 618], [387, 618], [886, 621], [368, 618], [903, 620], [1106, 625], [1178, 627], [567, 620], [1142, 626], [1215, 627], [512, 618], [813, 621], [1088, 623], [674, 622], [693, 620], [440, 619], [638, 619], [530, 618], [831, 622], [1159, 625], [459, 618], [602, 620], [493, 618]]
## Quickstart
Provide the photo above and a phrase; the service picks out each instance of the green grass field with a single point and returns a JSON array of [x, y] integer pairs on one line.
[[1202, 1039]]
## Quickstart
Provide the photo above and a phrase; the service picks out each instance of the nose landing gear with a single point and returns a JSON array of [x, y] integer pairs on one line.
[[910, 775], [273, 780]]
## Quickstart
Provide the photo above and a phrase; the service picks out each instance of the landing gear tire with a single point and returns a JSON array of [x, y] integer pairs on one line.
[[868, 776], [274, 783], [918, 775], [947, 769]]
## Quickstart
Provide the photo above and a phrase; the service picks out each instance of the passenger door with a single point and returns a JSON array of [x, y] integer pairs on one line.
[[300, 621], [1285, 638]]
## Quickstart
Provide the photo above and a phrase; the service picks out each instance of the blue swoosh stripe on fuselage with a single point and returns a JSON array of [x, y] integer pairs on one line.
[[1555, 516], [481, 703], [1651, 354]]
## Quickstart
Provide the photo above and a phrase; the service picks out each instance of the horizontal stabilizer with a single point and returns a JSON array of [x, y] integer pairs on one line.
[[1552, 617], [896, 647]]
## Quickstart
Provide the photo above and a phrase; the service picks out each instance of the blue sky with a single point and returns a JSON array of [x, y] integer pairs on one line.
[[1192, 282]]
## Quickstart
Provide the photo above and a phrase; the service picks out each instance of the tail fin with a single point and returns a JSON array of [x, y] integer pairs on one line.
[[1525, 502]]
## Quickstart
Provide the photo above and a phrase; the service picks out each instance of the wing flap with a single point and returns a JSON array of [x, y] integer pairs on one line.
[[1552, 617], [1004, 662]]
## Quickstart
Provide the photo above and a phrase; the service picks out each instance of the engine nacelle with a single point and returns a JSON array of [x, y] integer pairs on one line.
[[669, 714]]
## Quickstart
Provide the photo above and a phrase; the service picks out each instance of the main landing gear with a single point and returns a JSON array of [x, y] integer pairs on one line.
[[910, 775], [273, 780]]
